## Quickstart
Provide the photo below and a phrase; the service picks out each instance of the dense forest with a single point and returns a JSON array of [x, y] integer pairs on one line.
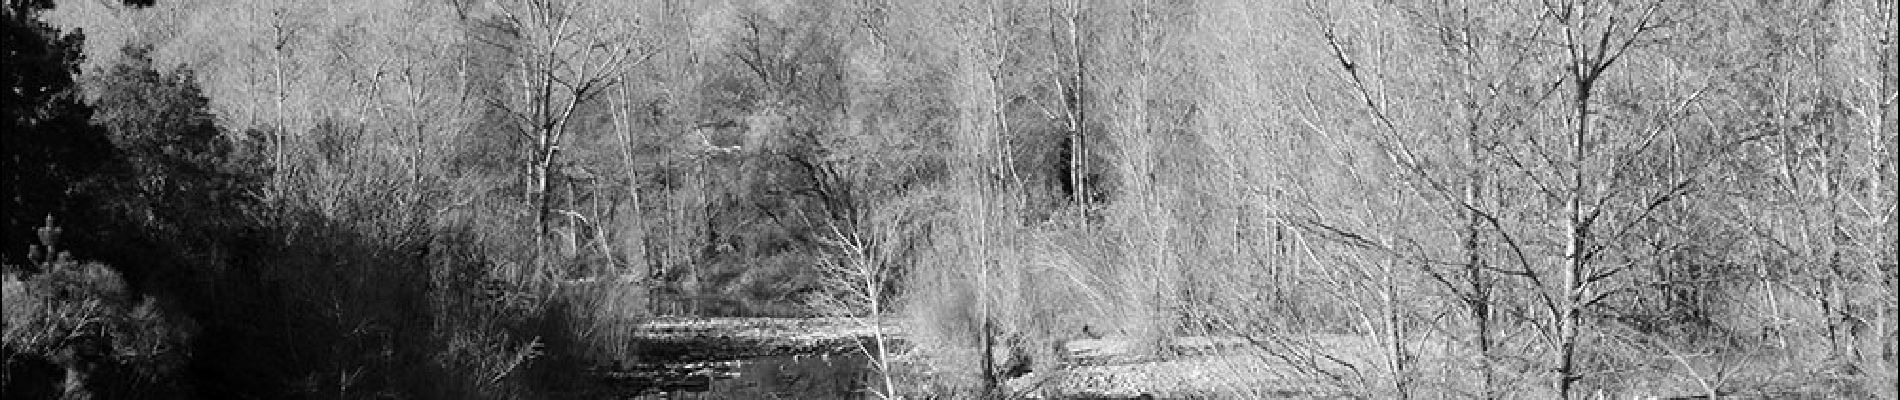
[[1387, 199]]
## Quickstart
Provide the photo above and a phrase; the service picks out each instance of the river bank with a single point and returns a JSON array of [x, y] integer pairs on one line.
[[712, 339], [823, 357]]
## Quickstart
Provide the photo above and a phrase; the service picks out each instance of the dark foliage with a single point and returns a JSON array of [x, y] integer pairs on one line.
[[50, 149]]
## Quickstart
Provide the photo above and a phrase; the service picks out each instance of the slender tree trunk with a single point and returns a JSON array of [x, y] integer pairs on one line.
[[636, 240], [1478, 301], [546, 148], [278, 158], [543, 172], [1887, 177], [420, 138], [1572, 278], [981, 179], [1394, 331], [1078, 111]]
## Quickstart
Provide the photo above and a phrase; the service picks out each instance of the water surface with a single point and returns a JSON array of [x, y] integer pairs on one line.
[[845, 376]]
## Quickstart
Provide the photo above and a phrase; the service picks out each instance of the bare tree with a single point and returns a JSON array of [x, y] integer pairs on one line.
[[1590, 175], [566, 54], [1067, 53]]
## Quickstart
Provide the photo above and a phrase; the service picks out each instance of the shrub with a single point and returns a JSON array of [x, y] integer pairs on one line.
[[80, 317]]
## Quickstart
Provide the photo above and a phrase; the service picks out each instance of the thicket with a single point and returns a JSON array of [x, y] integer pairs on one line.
[[1388, 199], [188, 277]]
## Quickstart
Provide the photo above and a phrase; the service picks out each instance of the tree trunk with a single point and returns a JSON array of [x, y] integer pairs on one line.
[[636, 238], [1078, 118], [1396, 358], [543, 173], [1478, 302], [278, 158], [1572, 279]]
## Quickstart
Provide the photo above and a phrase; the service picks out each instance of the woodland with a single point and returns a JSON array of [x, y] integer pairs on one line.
[[465, 199]]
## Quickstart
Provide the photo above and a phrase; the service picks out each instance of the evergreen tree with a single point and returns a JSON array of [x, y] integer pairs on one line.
[[50, 148]]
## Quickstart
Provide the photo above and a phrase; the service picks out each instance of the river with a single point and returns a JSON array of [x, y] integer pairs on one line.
[[835, 376]]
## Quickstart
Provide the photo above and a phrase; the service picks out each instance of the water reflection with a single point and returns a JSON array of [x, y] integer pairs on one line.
[[778, 377]]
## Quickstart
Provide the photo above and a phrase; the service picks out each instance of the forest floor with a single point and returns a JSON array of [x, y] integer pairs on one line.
[[1340, 366]]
